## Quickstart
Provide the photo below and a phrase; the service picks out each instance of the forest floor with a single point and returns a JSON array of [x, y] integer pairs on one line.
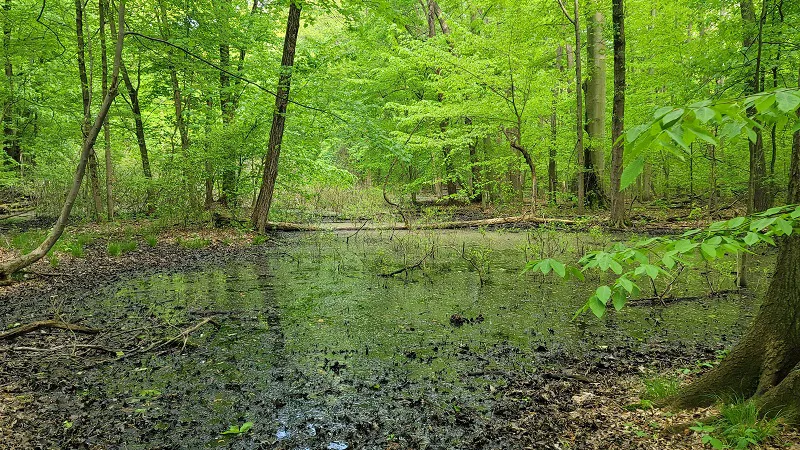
[[49, 383]]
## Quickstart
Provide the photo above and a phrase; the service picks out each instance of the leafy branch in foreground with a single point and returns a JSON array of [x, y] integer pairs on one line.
[[654, 258], [675, 129]]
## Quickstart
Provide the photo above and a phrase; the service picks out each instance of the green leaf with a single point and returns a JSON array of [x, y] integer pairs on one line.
[[709, 251], [705, 114], [631, 172], [668, 261], [615, 266], [245, 427], [597, 307], [736, 222], [576, 273], [603, 293], [763, 103], [651, 270], [672, 117], [626, 284], [751, 238], [784, 226], [661, 112], [619, 299], [544, 266], [760, 224], [558, 268], [787, 101]]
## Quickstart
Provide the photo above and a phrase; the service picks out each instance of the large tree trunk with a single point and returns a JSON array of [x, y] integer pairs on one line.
[[264, 202], [9, 267], [594, 161], [87, 108], [765, 364], [103, 8], [618, 114]]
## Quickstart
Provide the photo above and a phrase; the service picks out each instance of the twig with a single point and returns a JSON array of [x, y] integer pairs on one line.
[[406, 269], [347, 240], [58, 347], [47, 324]]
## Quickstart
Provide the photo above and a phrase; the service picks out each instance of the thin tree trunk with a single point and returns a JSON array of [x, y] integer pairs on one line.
[[264, 202], [103, 9], [9, 267], [579, 110], [228, 117], [618, 114], [87, 108], [10, 139], [133, 93]]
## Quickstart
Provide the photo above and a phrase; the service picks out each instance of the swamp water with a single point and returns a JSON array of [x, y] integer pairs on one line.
[[318, 351]]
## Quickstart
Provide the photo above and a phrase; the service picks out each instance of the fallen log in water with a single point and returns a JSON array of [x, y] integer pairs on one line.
[[523, 219]]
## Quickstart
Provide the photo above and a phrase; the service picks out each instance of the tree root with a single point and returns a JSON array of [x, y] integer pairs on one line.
[[47, 324]]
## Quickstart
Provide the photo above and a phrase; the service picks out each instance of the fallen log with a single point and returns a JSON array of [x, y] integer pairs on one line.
[[33, 326], [524, 219]]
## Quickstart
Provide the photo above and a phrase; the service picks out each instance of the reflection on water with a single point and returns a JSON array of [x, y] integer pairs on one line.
[[314, 346]]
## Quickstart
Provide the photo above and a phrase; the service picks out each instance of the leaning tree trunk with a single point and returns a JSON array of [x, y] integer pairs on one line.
[[264, 202], [618, 114], [9, 267], [136, 109], [765, 364]]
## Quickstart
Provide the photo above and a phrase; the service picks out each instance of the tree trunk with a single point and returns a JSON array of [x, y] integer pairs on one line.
[[9, 267], [103, 9], [264, 202], [552, 174], [594, 161], [757, 194], [475, 168], [133, 93], [618, 114], [579, 110], [10, 139], [228, 117], [765, 364], [87, 108]]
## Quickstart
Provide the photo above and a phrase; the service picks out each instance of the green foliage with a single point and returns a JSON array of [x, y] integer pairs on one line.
[[237, 430], [117, 248], [740, 426], [650, 259], [194, 243], [151, 240], [660, 387]]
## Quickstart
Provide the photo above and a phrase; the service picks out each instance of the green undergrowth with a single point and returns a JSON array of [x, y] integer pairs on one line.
[[118, 248], [738, 426]]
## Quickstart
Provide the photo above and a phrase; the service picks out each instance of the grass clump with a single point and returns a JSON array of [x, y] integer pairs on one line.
[[739, 426], [118, 248], [151, 240], [660, 387], [195, 243]]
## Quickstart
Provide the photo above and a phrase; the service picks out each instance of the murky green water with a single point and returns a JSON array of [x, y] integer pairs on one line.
[[316, 349]]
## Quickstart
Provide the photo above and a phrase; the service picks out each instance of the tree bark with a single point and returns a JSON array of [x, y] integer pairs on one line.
[[618, 114], [594, 161], [765, 364], [552, 175], [103, 9], [10, 139], [133, 94], [579, 110], [86, 94], [264, 202], [9, 267]]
